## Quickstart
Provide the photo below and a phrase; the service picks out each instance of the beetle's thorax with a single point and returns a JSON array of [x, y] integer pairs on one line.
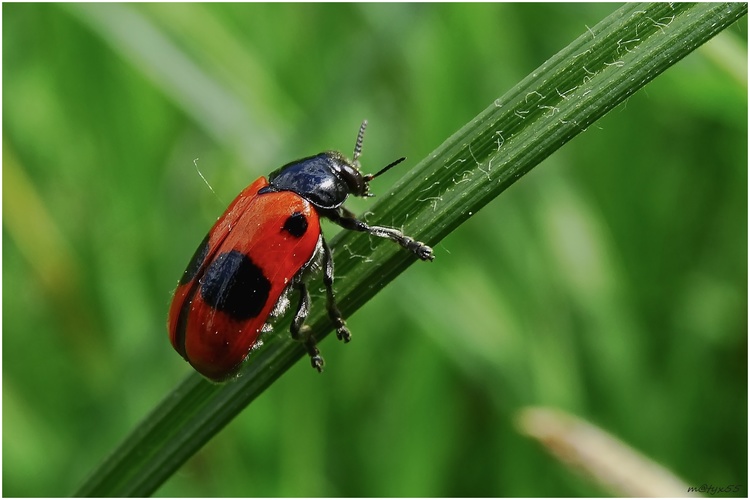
[[325, 180]]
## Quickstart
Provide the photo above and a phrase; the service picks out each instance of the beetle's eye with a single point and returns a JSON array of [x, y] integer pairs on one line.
[[354, 179]]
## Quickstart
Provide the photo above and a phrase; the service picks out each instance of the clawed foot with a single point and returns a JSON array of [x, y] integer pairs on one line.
[[343, 333], [317, 362], [424, 252]]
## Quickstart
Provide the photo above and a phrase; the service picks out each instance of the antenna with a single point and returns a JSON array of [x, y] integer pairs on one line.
[[358, 153], [358, 145], [383, 170]]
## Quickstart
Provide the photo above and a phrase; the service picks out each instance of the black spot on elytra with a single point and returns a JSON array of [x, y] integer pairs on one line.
[[195, 263], [235, 285], [296, 224]]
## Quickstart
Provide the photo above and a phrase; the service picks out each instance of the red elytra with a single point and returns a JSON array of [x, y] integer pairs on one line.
[[214, 339], [259, 251]]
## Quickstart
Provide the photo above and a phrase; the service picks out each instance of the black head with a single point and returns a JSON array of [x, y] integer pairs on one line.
[[326, 179]]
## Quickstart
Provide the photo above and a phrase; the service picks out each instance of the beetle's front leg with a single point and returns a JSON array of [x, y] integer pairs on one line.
[[345, 219]]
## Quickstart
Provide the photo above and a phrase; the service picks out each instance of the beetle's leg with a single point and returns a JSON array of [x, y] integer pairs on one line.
[[342, 332], [301, 332], [345, 219]]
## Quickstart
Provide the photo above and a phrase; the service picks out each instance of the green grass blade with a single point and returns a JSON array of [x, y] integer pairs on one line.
[[560, 99]]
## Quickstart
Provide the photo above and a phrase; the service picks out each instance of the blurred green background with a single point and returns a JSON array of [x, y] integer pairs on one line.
[[610, 282]]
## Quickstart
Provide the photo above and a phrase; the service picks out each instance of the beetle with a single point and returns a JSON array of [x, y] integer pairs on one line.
[[264, 247]]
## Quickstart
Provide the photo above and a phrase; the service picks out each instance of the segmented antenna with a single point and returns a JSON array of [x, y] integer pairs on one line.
[[358, 145], [358, 153]]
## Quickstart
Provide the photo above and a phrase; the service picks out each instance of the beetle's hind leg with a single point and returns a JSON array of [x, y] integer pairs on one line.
[[342, 332], [301, 332]]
